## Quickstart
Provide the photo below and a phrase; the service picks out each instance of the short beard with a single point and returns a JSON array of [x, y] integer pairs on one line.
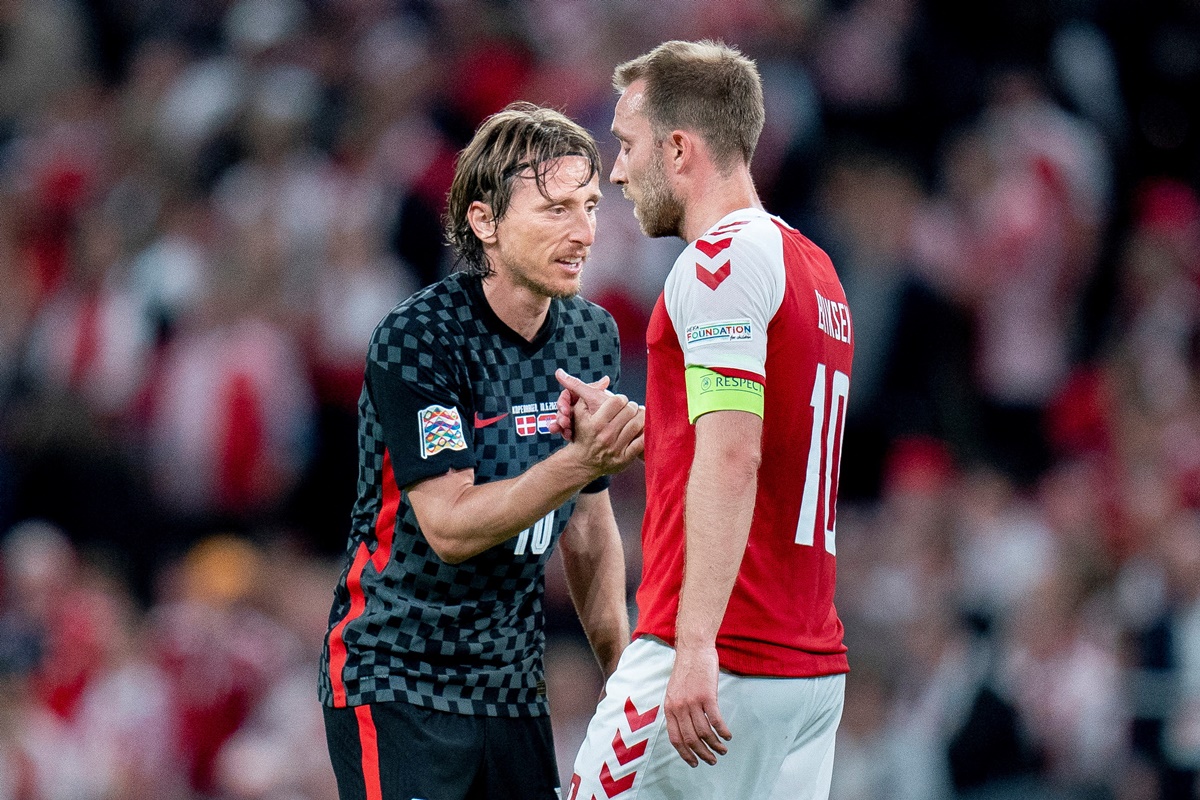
[[660, 213], [523, 280]]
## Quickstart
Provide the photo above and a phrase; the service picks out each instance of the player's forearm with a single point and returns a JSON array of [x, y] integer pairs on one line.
[[719, 509], [482, 516], [594, 563]]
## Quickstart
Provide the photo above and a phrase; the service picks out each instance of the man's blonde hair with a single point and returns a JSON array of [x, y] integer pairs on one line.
[[707, 87]]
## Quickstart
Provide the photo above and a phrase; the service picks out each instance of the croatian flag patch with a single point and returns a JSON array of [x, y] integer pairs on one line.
[[441, 429]]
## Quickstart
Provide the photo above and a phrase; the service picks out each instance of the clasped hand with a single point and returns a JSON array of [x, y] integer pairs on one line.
[[607, 426]]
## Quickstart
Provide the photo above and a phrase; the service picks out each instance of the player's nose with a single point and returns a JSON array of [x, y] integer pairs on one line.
[[583, 228], [617, 176]]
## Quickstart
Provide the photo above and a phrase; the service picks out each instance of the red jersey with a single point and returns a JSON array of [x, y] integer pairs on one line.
[[754, 299]]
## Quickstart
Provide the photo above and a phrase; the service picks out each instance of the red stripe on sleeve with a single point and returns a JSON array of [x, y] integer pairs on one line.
[[370, 752]]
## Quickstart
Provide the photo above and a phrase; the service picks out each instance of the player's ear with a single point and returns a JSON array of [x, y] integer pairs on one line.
[[482, 221], [678, 149]]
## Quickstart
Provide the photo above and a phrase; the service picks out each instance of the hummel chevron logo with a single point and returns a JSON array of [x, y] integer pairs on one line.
[[711, 249], [614, 786], [626, 754], [480, 422], [637, 721], [712, 279]]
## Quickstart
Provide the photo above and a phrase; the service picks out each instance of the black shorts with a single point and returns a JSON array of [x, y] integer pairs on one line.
[[398, 751]]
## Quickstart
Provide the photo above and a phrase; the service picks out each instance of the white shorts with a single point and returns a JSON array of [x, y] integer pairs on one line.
[[782, 747]]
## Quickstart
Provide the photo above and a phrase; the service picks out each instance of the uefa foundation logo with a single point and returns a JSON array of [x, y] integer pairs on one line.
[[730, 330]]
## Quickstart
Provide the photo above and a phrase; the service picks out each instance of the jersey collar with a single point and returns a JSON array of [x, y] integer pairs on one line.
[[473, 285], [745, 214]]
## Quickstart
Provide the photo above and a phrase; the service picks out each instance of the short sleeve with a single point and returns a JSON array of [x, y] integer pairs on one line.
[[414, 386], [722, 294]]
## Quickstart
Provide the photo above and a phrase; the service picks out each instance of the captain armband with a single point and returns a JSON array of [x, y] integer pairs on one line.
[[711, 391]]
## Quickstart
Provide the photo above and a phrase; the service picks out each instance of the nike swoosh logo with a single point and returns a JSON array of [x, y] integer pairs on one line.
[[480, 422]]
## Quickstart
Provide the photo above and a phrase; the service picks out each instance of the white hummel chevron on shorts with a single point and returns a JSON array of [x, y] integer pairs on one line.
[[782, 747]]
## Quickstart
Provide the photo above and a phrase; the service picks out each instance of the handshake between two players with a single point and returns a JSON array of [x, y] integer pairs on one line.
[[612, 423]]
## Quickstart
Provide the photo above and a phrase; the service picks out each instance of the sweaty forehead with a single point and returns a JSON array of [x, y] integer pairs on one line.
[[630, 110], [633, 99]]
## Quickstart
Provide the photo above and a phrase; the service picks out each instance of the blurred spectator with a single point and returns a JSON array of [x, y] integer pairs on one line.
[[233, 407], [1013, 239], [220, 655], [91, 720], [1063, 672], [913, 342], [1166, 638], [90, 337], [169, 276], [44, 56], [280, 751]]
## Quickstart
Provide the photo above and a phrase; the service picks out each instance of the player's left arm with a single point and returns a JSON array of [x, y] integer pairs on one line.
[[594, 562], [719, 508]]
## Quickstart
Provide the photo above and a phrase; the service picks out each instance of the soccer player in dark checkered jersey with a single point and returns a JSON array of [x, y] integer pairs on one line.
[[431, 675]]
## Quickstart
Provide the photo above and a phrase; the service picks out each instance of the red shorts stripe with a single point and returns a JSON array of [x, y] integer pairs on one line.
[[370, 752]]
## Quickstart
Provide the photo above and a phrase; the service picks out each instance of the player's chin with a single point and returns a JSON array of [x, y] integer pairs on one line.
[[656, 227], [566, 286]]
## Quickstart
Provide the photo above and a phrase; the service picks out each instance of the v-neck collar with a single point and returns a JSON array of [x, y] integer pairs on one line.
[[474, 288]]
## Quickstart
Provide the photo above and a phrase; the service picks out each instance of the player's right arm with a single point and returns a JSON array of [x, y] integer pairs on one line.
[[461, 519], [417, 385]]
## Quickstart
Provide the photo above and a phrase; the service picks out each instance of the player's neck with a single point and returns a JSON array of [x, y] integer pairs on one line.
[[519, 307], [714, 197]]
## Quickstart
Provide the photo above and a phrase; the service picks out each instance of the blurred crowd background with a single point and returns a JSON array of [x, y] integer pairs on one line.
[[205, 207]]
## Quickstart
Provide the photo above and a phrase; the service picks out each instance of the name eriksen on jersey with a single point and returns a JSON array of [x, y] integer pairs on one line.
[[833, 318]]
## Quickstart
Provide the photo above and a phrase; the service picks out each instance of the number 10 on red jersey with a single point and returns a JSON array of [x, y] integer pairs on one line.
[[824, 458]]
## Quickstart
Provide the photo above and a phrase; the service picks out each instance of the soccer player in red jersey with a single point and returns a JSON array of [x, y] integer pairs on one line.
[[737, 654]]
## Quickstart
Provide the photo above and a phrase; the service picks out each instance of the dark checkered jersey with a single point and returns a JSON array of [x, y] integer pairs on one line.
[[450, 386]]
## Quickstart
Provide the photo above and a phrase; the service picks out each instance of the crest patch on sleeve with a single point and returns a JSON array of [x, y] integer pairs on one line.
[[441, 429]]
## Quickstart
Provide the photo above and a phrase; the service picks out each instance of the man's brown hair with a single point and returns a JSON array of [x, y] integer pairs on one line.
[[707, 87], [522, 137]]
